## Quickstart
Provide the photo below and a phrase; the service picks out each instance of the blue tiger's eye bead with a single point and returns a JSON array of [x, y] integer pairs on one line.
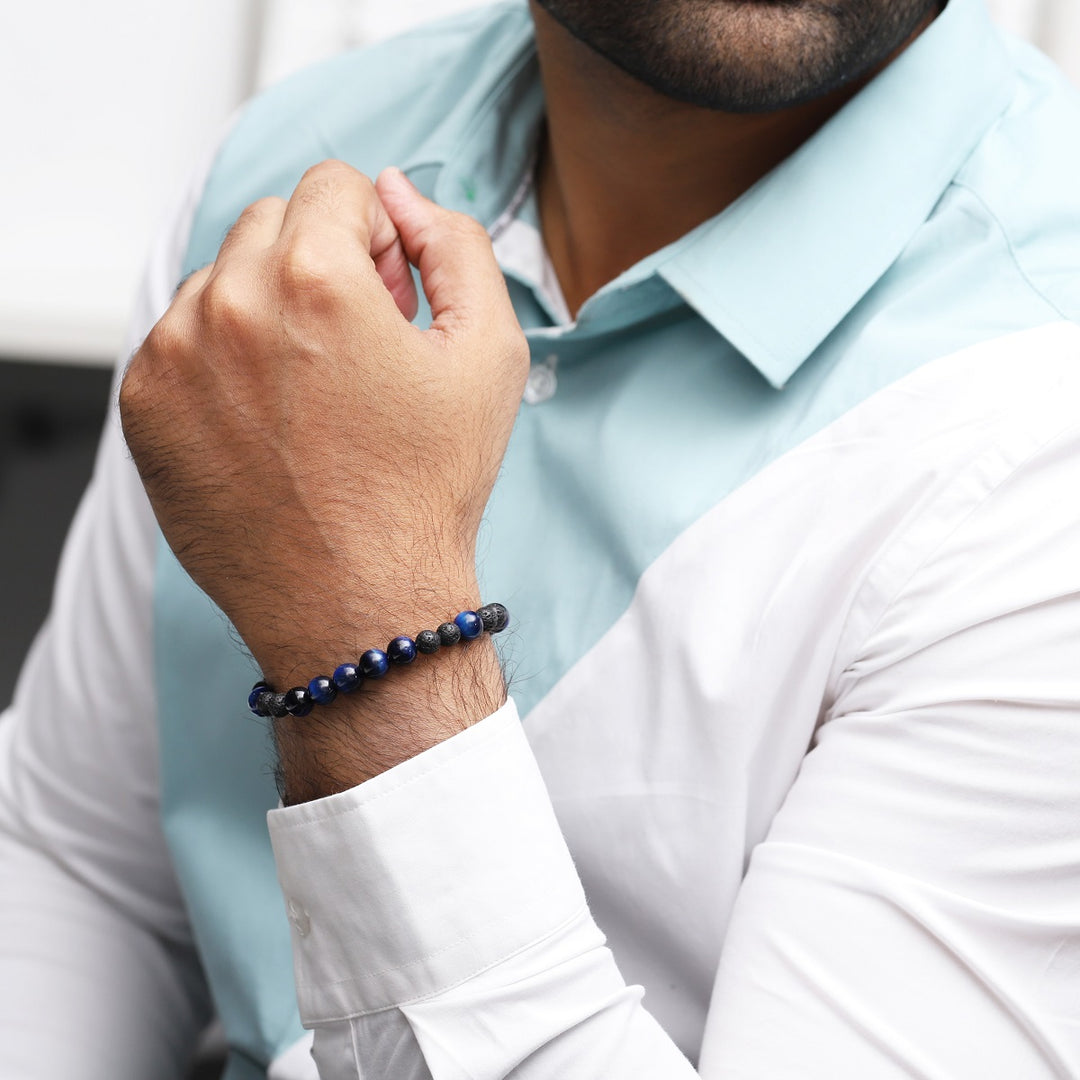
[[427, 641], [322, 689], [468, 622], [449, 634], [402, 650], [374, 664], [347, 678], [298, 701], [255, 699]]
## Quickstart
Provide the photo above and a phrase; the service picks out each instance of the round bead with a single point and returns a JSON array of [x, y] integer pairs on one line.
[[427, 641], [402, 650], [489, 617], [502, 618], [468, 622], [347, 678], [374, 664], [322, 690], [275, 705], [298, 701], [255, 699], [449, 634]]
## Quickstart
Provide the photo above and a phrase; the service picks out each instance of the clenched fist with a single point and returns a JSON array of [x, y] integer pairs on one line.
[[317, 463]]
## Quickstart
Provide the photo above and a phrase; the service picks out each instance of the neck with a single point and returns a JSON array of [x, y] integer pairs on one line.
[[625, 170]]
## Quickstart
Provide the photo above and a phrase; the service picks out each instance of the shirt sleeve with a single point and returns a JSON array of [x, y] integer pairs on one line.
[[440, 929], [913, 910], [101, 979]]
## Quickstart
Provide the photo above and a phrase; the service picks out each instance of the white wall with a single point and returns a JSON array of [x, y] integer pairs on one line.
[[106, 105], [297, 32], [1053, 25]]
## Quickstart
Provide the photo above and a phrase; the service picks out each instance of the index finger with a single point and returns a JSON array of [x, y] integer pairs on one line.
[[337, 206]]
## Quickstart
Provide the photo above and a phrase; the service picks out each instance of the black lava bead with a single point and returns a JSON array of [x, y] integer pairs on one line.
[[275, 706], [502, 618]]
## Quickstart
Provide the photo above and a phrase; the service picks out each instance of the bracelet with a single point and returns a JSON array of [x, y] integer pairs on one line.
[[375, 663]]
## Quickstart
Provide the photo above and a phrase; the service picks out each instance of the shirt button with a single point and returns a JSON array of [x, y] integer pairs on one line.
[[542, 382], [299, 918]]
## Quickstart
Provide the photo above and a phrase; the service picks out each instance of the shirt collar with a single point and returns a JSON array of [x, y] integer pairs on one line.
[[781, 267], [778, 270]]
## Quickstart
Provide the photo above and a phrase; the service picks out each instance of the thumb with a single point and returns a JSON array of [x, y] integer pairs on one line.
[[462, 281]]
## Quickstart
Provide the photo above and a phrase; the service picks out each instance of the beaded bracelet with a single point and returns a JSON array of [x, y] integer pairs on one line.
[[375, 663]]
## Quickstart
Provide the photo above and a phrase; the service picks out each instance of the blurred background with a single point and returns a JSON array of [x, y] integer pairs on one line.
[[108, 106]]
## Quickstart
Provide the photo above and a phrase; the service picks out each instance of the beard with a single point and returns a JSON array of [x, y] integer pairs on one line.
[[743, 56]]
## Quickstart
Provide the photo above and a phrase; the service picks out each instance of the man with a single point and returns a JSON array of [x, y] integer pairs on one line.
[[785, 527]]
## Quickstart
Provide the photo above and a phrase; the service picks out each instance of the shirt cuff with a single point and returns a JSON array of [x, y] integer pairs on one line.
[[424, 876]]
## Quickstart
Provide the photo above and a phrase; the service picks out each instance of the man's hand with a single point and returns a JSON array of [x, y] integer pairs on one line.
[[318, 464]]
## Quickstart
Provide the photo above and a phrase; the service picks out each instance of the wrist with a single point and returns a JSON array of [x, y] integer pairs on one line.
[[357, 738], [360, 726], [313, 628]]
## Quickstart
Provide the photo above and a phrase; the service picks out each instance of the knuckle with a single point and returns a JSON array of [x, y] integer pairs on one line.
[[330, 169], [322, 183], [305, 270], [161, 345], [224, 306], [519, 345], [249, 216], [258, 210], [268, 204], [515, 346], [468, 228]]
